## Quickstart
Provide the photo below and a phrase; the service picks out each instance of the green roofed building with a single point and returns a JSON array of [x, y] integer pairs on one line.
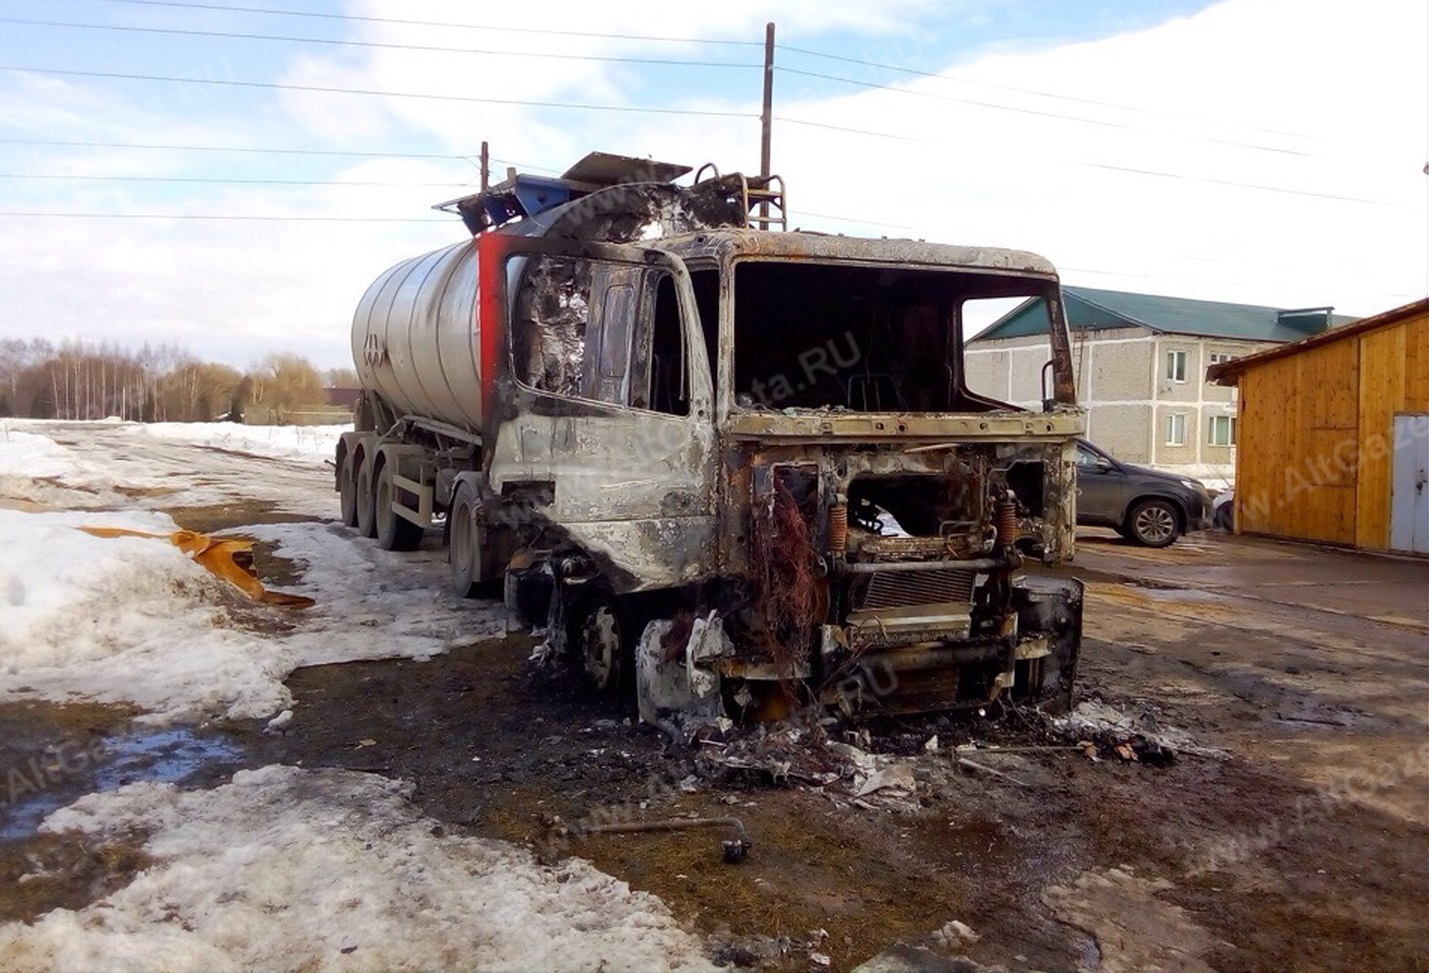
[[1141, 363]]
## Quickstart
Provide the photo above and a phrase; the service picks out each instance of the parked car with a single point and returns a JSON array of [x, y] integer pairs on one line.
[[1143, 505]]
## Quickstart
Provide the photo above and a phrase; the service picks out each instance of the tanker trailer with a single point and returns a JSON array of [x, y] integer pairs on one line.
[[735, 470]]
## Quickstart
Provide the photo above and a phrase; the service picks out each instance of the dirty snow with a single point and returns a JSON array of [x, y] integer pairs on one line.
[[317, 443], [282, 868], [134, 620], [287, 869], [36, 471]]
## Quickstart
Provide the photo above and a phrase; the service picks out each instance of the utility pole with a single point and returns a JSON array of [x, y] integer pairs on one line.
[[766, 117], [485, 166]]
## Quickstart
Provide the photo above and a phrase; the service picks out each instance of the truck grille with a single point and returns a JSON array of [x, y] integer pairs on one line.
[[900, 589]]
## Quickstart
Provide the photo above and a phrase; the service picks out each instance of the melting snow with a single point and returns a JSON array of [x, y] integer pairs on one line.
[[287, 869]]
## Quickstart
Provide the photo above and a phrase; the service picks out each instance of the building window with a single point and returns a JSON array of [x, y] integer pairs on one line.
[[1176, 429], [1176, 366], [1219, 356], [1221, 431]]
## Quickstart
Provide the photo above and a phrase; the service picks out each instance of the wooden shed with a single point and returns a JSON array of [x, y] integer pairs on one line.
[[1334, 435]]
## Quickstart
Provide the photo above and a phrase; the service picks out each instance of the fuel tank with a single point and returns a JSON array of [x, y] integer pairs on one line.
[[415, 339]]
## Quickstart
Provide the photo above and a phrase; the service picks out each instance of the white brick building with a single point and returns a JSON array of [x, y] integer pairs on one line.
[[1140, 364]]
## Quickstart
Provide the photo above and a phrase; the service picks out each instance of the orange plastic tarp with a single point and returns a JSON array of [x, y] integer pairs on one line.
[[229, 558]]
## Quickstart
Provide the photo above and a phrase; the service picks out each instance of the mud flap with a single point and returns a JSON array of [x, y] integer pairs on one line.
[[668, 680]]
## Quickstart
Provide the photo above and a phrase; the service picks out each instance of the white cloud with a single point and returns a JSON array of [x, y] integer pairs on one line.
[[1251, 113]]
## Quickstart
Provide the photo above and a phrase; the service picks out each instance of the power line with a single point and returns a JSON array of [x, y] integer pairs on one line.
[[187, 32], [323, 89], [84, 144], [221, 217], [432, 23], [1241, 185], [1025, 91], [849, 130], [858, 131], [73, 177], [1030, 111], [264, 150]]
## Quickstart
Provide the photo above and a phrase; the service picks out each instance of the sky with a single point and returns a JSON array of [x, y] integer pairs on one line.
[[229, 177]]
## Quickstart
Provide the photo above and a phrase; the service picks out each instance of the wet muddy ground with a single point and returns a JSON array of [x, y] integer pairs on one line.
[[1301, 844]]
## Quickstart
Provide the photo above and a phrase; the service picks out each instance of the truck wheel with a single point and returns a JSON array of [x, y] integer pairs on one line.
[[347, 490], [603, 644], [366, 504], [461, 545], [394, 533], [1154, 523]]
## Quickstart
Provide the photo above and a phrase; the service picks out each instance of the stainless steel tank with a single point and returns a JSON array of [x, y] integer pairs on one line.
[[414, 337]]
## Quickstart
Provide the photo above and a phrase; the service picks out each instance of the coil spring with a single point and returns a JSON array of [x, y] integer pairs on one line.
[[1007, 521], [838, 528]]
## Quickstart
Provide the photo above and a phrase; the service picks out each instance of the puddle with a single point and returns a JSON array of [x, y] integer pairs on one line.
[[44, 784]]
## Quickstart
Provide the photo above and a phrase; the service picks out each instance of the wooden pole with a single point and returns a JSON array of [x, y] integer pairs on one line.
[[766, 117], [485, 166]]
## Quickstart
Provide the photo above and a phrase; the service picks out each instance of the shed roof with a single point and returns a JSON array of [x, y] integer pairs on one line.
[[1226, 373], [1093, 309]]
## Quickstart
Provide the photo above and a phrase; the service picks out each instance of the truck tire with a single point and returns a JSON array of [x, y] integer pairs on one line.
[[394, 532], [347, 489], [1154, 523], [462, 554], [366, 504], [527, 594], [603, 644]]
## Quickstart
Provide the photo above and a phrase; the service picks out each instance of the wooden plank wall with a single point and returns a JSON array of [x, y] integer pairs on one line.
[[1316, 435], [1298, 413], [1396, 379]]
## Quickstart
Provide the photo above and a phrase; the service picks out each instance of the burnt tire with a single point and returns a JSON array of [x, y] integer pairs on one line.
[[527, 593], [366, 504], [603, 644], [394, 532], [347, 489], [1154, 523]]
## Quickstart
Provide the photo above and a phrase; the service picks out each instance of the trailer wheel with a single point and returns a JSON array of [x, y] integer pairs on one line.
[[347, 490], [461, 544], [603, 644], [394, 532], [366, 503]]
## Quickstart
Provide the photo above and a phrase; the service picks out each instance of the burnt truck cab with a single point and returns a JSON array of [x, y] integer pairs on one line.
[[769, 434], [741, 471]]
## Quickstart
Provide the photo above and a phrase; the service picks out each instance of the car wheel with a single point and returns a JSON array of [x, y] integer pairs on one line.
[[1225, 519], [1154, 523]]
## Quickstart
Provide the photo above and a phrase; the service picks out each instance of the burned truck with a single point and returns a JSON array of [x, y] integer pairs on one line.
[[733, 467]]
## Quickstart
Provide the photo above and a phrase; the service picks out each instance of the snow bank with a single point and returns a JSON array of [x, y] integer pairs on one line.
[[315, 443], [328, 870], [134, 620], [32, 455], [128, 619]]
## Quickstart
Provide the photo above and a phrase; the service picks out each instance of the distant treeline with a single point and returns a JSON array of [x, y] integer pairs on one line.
[[77, 380]]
